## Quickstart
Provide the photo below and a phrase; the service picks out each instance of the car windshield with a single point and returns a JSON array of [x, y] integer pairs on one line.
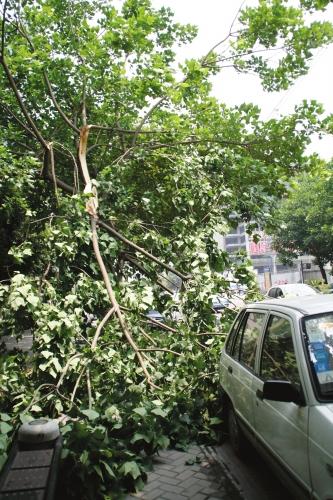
[[319, 331]]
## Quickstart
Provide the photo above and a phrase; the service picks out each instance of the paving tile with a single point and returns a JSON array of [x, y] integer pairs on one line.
[[199, 496], [154, 495], [189, 482], [201, 475], [172, 496], [170, 480], [193, 490], [171, 488], [173, 479], [152, 475], [166, 467], [184, 474], [151, 486]]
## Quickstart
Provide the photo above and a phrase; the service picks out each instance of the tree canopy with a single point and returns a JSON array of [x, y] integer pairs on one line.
[[305, 218], [118, 168]]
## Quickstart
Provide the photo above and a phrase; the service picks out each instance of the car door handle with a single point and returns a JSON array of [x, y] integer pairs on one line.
[[230, 369], [259, 394]]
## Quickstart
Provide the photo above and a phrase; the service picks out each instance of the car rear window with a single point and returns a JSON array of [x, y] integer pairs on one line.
[[233, 331], [250, 337], [245, 344], [319, 333]]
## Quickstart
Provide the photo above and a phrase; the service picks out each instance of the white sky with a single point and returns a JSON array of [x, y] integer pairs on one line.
[[213, 18]]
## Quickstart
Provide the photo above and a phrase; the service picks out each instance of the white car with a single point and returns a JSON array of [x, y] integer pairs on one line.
[[291, 290], [276, 373]]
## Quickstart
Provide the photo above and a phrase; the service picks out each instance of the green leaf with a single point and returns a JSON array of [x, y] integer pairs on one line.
[[91, 414], [130, 468], [17, 303], [46, 354], [4, 442], [32, 299], [108, 469], [159, 412], [56, 364], [4, 417], [163, 442], [84, 457], [190, 461], [36, 408], [5, 428], [24, 290], [140, 437], [141, 411], [53, 324], [25, 418], [215, 421], [99, 472]]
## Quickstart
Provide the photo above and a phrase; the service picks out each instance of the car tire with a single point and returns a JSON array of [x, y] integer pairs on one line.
[[236, 437]]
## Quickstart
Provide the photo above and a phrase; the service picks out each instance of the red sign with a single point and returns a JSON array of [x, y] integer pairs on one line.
[[263, 246]]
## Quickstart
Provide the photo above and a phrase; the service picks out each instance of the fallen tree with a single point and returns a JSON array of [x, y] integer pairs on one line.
[[116, 176]]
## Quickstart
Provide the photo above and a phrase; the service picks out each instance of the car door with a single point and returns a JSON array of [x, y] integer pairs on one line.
[[241, 365], [282, 427]]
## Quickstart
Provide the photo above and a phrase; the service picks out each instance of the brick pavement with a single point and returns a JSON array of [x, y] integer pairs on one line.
[[195, 475]]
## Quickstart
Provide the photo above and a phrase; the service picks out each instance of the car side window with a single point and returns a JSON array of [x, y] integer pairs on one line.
[[252, 327], [278, 359]]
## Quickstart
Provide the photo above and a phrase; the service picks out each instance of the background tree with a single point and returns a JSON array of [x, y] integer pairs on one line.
[[304, 220], [116, 164]]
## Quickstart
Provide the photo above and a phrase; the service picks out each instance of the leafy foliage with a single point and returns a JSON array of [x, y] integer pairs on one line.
[[109, 160], [304, 220]]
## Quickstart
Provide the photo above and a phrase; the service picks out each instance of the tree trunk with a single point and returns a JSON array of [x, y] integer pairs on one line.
[[323, 272]]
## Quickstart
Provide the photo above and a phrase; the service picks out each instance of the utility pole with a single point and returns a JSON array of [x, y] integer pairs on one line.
[[301, 272]]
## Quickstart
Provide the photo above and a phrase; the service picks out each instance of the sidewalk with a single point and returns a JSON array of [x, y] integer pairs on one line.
[[210, 473], [195, 474]]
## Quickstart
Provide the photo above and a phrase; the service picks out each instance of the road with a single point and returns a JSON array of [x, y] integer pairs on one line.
[[252, 476], [24, 344]]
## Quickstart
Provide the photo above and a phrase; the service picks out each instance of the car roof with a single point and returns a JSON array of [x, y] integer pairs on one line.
[[293, 286], [310, 304]]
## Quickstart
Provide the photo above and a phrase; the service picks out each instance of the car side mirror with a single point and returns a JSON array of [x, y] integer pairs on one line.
[[281, 390]]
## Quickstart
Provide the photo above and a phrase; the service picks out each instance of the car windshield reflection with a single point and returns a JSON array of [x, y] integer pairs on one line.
[[319, 331]]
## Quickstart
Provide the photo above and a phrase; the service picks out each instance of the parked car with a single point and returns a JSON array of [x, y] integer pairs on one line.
[[291, 290], [219, 303], [276, 373], [154, 315]]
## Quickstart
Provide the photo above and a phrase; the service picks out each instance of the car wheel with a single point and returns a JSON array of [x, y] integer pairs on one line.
[[237, 439]]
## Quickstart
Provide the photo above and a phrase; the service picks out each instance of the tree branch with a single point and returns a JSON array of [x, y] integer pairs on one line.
[[160, 324], [160, 349], [77, 384], [65, 369], [24, 110], [148, 337], [114, 301], [56, 105], [89, 389], [144, 271], [100, 327], [3, 26], [122, 238], [27, 129], [53, 169]]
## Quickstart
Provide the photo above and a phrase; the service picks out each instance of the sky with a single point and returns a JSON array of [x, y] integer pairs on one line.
[[213, 18]]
